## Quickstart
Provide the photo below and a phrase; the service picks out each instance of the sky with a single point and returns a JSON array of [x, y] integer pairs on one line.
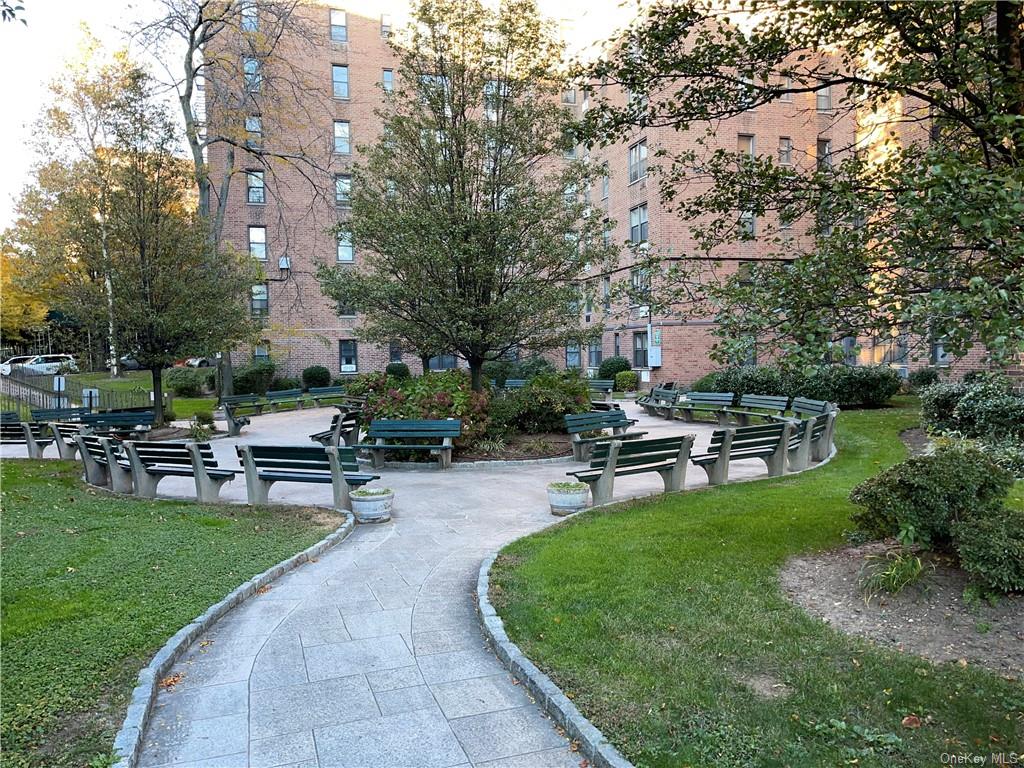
[[32, 56]]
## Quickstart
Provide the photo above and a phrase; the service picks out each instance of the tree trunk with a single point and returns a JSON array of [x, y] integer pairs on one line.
[[158, 394], [425, 359], [476, 369], [227, 375]]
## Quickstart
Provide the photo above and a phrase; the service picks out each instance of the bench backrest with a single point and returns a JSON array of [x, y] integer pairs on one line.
[[120, 419], [322, 391], [634, 453], [604, 385], [240, 400], [766, 402], [588, 422], [284, 394], [151, 453], [710, 398], [666, 395], [810, 407], [749, 438], [419, 429], [515, 383], [10, 417], [59, 414], [94, 446], [300, 458]]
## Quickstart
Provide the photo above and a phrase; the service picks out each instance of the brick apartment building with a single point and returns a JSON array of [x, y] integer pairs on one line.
[[280, 220]]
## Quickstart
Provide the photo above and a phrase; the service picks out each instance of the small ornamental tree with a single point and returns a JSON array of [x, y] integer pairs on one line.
[[468, 216]]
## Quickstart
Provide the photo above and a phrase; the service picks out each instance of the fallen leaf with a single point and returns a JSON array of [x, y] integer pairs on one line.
[[170, 681], [911, 721], [264, 589]]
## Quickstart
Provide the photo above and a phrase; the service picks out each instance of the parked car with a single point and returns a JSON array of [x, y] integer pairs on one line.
[[129, 363], [51, 364], [198, 362], [9, 363]]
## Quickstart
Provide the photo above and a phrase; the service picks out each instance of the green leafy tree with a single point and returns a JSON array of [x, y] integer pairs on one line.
[[469, 219], [916, 229]]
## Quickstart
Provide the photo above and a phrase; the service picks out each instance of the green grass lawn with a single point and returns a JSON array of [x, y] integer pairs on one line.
[[184, 407], [651, 613], [94, 584]]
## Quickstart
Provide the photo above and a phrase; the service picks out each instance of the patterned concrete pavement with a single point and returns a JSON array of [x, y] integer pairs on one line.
[[372, 656]]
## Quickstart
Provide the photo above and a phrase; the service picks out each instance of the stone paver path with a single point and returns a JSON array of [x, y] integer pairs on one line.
[[372, 657]]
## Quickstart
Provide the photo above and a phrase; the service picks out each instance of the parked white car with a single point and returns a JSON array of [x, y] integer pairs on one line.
[[9, 363], [51, 364]]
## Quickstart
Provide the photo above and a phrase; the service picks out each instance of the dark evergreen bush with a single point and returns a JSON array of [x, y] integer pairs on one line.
[[612, 366], [398, 370], [316, 376]]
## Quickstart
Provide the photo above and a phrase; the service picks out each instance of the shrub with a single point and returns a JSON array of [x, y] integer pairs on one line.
[[284, 382], [928, 494], [435, 395], [200, 433], [547, 398], [1007, 452], [626, 381], [254, 379], [849, 386], [991, 548], [210, 378], [527, 368], [203, 417], [316, 376], [613, 366], [923, 377], [989, 409], [937, 405], [706, 383], [504, 413], [398, 370], [184, 382], [169, 415]]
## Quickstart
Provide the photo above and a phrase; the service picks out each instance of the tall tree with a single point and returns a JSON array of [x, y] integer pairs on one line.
[[470, 222], [915, 228], [23, 307], [236, 65]]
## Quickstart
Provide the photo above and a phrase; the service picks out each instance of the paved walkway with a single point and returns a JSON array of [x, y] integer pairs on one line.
[[372, 657]]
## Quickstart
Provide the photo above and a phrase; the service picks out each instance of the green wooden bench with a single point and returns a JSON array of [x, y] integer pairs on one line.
[[578, 424], [60, 414], [281, 397], [105, 463], [703, 402], [119, 422], [514, 383], [33, 435], [10, 417], [604, 386], [768, 442], [658, 402], [344, 428], [319, 394], [265, 465], [805, 408], [446, 431], [760, 406], [152, 462], [667, 456], [233, 406]]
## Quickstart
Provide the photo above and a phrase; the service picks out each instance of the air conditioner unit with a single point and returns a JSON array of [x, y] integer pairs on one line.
[[348, 369], [284, 262]]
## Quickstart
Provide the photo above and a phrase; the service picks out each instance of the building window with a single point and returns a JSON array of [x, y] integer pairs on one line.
[[823, 99], [254, 187], [606, 293], [387, 80], [261, 352], [260, 303], [787, 84], [253, 74], [258, 243], [785, 150], [339, 80], [339, 26], [342, 138], [640, 349], [594, 355], [343, 190], [385, 25], [745, 144], [572, 356], [394, 352], [605, 184], [442, 363], [641, 282], [824, 154], [250, 17], [254, 132], [347, 360], [638, 161], [569, 96], [939, 356], [746, 89], [345, 250], [616, 346], [748, 223], [638, 224]]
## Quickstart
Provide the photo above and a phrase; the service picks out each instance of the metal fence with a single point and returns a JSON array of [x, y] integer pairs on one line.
[[37, 390]]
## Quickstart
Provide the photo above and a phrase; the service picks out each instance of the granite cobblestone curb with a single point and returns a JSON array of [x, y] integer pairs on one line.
[[128, 742], [593, 745]]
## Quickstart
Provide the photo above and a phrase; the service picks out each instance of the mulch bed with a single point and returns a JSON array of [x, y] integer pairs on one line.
[[518, 447]]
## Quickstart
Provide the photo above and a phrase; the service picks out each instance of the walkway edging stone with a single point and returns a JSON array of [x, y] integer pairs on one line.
[[128, 742], [593, 745]]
